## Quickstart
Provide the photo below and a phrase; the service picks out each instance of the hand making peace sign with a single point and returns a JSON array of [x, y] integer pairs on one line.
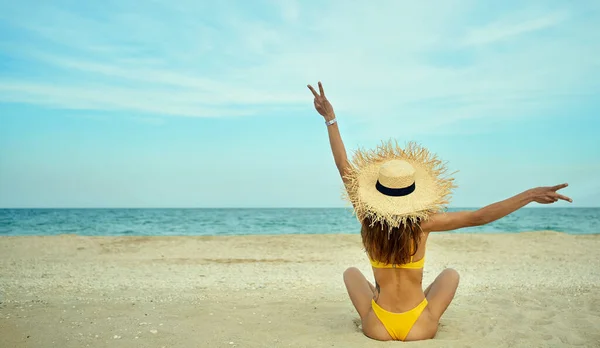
[[322, 105], [548, 194]]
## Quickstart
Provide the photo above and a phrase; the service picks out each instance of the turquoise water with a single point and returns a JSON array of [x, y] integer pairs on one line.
[[172, 222]]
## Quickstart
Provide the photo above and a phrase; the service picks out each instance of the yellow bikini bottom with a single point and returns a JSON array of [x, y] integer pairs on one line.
[[398, 325]]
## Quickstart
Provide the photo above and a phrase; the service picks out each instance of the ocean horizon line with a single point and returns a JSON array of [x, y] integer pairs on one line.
[[242, 221]]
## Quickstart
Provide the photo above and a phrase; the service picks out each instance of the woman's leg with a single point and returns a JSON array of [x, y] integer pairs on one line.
[[441, 292], [360, 290]]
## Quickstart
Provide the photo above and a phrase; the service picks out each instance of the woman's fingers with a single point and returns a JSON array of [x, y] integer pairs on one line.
[[558, 187], [555, 197], [321, 89], [313, 91], [564, 198], [546, 199]]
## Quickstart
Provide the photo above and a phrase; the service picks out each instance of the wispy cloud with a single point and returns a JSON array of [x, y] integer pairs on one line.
[[506, 29], [186, 58]]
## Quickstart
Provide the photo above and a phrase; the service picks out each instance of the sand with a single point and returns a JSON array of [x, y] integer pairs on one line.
[[538, 289]]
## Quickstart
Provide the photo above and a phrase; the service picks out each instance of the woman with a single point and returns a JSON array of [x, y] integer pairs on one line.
[[398, 195]]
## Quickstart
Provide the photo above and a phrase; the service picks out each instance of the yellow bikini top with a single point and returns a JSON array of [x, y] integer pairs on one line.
[[411, 265]]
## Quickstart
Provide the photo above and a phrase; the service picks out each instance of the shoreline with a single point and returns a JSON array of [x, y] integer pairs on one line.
[[458, 232], [523, 289]]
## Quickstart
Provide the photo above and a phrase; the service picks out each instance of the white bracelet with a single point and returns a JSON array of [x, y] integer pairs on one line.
[[329, 123]]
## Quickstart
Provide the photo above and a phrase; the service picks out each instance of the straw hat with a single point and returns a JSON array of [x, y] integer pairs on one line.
[[392, 185]]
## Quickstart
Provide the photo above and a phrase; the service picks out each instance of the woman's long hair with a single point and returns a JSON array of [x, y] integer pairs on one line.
[[393, 245]]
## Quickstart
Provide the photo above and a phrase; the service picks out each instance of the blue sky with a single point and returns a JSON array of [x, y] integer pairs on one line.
[[204, 103]]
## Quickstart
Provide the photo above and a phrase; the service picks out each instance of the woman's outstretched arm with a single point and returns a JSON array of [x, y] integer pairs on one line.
[[495, 211], [323, 107]]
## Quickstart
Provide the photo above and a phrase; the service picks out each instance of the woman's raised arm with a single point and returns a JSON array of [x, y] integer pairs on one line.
[[324, 108]]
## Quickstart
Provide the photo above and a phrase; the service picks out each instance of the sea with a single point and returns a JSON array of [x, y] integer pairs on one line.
[[235, 222]]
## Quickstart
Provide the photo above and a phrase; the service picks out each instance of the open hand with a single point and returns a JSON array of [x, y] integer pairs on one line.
[[548, 194], [322, 105]]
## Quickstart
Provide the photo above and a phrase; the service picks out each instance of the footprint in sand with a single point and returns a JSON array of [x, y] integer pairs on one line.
[[542, 322], [358, 324]]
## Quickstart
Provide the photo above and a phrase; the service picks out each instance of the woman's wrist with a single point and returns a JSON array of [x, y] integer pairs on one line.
[[530, 195]]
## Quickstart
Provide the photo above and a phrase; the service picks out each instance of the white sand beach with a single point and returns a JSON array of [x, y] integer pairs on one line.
[[537, 289]]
